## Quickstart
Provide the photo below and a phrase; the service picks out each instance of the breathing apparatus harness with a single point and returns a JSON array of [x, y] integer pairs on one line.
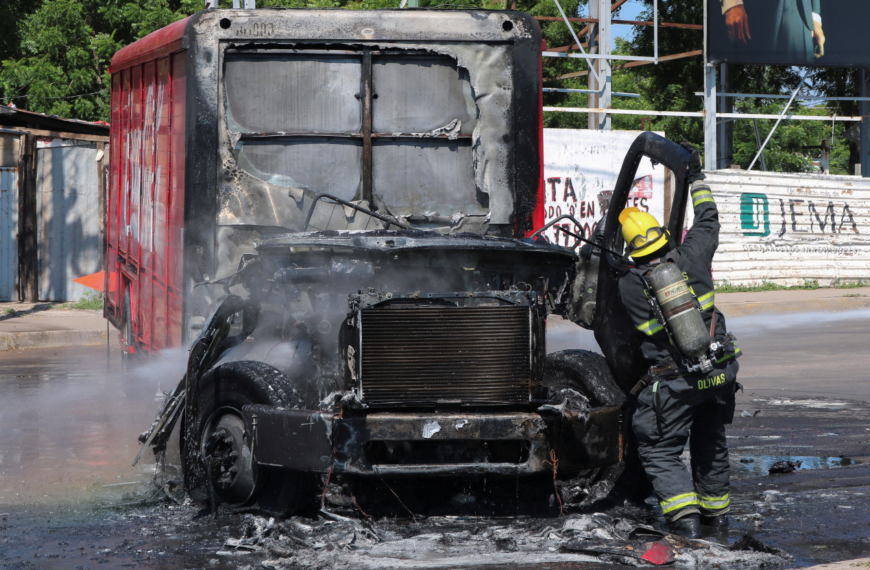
[[677, 310]]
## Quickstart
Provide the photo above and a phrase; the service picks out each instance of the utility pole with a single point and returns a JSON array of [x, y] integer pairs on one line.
[[599, 43], [864, 147], [709, 105]]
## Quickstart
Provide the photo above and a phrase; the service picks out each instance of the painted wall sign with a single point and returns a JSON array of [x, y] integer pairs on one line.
[[791, 227], [580, 171]]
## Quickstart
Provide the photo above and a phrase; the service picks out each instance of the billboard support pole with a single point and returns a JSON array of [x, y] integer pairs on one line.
[[864, 147], [600, 83], [778, 121], [726, 128], [710, 152], [709, 106]]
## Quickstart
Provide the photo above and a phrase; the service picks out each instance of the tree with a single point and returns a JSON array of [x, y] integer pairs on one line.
[[55, 55], [65, 47]]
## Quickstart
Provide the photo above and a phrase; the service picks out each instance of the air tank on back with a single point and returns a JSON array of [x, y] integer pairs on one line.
[[684, 319]]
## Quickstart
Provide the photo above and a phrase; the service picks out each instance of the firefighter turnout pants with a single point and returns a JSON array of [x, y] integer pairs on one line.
[[670, 413]]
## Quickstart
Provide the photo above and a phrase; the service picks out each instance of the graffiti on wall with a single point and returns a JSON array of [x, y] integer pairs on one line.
[[580, 171]]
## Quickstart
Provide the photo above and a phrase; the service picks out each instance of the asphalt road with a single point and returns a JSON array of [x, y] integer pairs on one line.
[[802, 355], [70, 499]]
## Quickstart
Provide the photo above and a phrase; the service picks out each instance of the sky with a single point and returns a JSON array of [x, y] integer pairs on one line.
[[629, 11]]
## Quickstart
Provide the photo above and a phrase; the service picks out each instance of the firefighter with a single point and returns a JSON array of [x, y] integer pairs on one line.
[[680, 399]]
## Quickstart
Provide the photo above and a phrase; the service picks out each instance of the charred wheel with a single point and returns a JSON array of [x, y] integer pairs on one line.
[[218, 447], [588, 373]]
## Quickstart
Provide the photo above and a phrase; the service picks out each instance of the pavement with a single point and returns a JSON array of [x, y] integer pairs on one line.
[[844, 565], [70, 497], [793, 301], [43, 325]]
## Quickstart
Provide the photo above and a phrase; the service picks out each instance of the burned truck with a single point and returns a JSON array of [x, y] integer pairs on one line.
[[361, 284]]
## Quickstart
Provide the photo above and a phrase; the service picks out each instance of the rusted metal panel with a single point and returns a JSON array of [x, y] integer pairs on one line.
[[9, 150], [432, 444], [591, 442], [291, 438], [68, 214], [351, 436], [789, 228], [8, 233]]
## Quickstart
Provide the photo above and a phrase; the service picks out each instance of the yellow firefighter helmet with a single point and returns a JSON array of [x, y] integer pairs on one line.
[[642, 232]]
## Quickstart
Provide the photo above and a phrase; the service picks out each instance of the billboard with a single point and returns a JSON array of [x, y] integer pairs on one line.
[[580, 171], [829, 33]]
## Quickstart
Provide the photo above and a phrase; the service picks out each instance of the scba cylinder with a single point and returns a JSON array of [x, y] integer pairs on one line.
[[683, 317]]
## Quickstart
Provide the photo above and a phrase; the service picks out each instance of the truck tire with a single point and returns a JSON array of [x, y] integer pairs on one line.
[[589, 374], [216, 446]]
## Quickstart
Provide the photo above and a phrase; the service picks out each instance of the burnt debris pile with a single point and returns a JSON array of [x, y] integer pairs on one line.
[[334, 541]]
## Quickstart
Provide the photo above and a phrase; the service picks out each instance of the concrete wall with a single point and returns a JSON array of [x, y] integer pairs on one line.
[[789, 228], [786, 228]]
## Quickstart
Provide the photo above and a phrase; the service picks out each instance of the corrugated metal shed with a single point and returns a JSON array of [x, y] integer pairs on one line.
[[68, 213], [8, 234], [789, 228]]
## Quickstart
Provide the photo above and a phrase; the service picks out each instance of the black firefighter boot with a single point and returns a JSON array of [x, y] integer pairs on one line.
[[718, 522], [688, 526]]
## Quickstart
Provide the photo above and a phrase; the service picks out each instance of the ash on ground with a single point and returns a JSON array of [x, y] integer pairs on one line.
[[336, 541]]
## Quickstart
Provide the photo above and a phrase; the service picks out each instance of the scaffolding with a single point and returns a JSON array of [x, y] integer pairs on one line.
[[599, 109]]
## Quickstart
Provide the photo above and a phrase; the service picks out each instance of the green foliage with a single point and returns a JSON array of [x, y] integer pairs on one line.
[[91, 301], [726, 287], [851, 284], [785, 152], [54, 56], [60, 66]]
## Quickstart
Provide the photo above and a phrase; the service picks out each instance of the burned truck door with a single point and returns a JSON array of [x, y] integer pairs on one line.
[[611, 323]]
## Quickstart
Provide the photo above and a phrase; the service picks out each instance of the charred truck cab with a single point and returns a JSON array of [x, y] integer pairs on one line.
[[358, 294]]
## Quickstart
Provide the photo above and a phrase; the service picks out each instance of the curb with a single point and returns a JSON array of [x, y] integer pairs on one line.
[[749, 308], [50, 339], [842, 565]]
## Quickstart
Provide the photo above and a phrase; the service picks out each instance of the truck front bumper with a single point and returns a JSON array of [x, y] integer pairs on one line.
[[434, 444]]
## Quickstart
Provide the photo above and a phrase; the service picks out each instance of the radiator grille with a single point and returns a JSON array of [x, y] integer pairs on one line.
[[477, 355]]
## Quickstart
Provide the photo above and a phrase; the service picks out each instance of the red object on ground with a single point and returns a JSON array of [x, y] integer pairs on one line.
[[657, 554]]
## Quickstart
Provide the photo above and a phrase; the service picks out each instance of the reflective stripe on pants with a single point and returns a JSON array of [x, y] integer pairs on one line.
[[714, 503], [679, 502]]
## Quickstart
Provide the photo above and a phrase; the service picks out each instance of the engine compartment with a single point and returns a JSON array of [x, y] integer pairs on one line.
[[410, 310]]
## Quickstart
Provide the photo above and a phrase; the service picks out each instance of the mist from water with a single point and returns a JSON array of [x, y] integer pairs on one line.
[[70, 422]]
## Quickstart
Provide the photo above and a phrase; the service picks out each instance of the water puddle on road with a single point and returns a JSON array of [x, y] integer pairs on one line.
[[70, 426], [743, 466]]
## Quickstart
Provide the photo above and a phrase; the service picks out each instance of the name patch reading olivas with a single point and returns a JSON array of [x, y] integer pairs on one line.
[[711, 382]]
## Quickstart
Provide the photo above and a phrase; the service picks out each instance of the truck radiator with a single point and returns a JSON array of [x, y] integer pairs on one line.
[[431, 355]]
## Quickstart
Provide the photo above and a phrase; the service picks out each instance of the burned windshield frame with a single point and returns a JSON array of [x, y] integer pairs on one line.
[[453, 140]]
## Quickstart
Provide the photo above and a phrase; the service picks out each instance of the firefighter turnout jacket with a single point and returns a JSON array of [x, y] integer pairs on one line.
[[677, 404]]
